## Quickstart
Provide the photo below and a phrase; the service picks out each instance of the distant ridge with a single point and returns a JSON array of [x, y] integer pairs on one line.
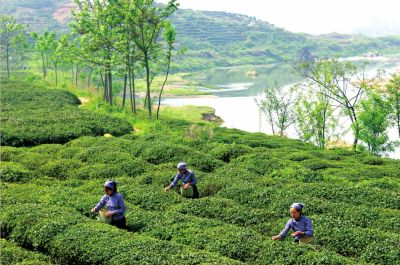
[[215, 38]]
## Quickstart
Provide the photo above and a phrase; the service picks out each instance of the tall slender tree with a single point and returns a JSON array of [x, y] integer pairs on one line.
[[169, 37], [46, 45], [315, 119], [374, 123], [10, 33], [393, 88], [149, 22], [342, 82], [278, 106]]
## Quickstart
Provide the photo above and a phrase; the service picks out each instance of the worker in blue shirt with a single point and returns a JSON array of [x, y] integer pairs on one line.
[[114, 203], [301, 225], [188, 179]]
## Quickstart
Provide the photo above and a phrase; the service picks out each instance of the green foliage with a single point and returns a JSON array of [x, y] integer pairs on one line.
[[374, 124], [246, 181], [393, 88], [38, 115], [315, 120], [13, 254], [12, 35], [14, 172], [226, 152], [278, 107]]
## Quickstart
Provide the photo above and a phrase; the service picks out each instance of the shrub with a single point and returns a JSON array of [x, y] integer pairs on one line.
[[227, 152], [7, 153], [222, 209], [203, 162], [13, 254], [35, 115], [59, 169], [281, 252], [14, 172], [32, 225], [158, 153], [317, 164], [300, 156]]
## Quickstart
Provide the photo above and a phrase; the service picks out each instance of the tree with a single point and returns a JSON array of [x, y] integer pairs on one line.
[[374, 124], [94, 32], [278, 106], [341, 82], [46, 45], [169, 37], [393, 88], [149, 22], [315, 119], [10, 33]]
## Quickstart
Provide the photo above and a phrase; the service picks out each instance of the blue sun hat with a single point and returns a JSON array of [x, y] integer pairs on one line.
[[110, 184], [181, 165], [298, 206]]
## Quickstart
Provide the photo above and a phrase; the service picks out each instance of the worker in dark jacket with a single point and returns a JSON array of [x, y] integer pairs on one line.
[[114, 203], [301, 225], [188, 179]]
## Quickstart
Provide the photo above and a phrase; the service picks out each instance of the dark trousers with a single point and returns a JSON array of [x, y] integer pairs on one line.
[[195, 192], [119, 223]]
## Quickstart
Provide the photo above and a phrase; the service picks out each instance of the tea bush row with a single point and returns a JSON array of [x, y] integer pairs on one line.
[[33, 115], [54, 228], [12, 254]]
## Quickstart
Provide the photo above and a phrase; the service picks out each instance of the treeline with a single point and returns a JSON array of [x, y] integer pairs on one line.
[[333, 92], [108, 39]]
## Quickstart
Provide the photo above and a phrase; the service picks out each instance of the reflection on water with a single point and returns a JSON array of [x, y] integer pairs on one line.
[[228, 88], [235, 102], [236, 82]]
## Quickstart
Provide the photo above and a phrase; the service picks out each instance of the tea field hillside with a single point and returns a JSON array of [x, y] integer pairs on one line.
[[55, 159], [217, 39]]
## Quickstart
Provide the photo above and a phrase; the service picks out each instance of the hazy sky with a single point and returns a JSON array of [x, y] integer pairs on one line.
[[310, 16]]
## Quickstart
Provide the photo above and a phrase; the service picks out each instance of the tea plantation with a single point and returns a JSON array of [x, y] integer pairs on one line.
[[54, 164]]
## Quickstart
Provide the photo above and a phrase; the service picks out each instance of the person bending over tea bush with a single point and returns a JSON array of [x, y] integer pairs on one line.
[[188, 188], [114, 203], [301, 225]]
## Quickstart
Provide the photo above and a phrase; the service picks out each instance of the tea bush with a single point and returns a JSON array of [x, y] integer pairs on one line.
[[246, 181], [39, 115], [14, 172], [227, 152], [12, 254]]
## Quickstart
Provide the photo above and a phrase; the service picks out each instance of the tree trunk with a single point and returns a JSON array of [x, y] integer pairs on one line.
[[72, 74], [398, 111], [55, 71], [133, 90], [146, 60], [162, 88], [8, 61], [43, 66], [106, 87], [110, 91], [76, 75], [130, 89], [124, 94], [90, 76]]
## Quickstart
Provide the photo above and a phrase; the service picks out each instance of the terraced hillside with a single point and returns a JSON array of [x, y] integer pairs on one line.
[[219, 38], [246, 181]]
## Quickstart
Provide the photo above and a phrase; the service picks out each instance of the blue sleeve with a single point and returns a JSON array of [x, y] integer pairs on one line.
[[121, 205], [309, 228], [176, 179], [284, 232], [101, 203], [193, 178]]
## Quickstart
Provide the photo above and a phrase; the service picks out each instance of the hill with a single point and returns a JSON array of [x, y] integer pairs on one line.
[[246, 181], [220, 38]]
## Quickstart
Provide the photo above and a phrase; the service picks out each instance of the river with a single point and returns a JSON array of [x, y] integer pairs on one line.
[[235, 93]]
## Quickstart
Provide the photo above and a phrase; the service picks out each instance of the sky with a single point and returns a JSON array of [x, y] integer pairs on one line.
[[313, 16]]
